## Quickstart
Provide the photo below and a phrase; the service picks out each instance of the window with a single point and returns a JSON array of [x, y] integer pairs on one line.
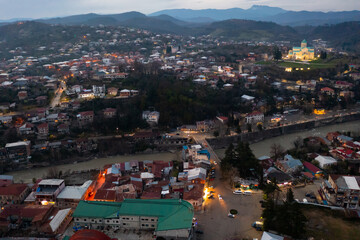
[[152, 225], [152, 219], [124, 224], [100, 220]]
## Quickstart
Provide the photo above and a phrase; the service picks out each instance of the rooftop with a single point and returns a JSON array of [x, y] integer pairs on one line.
[[172, 213], [74, 192], [51, 182]]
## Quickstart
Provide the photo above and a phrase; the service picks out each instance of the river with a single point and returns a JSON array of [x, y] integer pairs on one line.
[[263, 147], [259, 149], [96, 163]]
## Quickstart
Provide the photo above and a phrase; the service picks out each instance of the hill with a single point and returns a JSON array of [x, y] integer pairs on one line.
[[94, 19], [343, 35], [265, 13], [250, 30], [254, 13]]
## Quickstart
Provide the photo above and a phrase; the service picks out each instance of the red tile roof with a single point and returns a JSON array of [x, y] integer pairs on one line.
[[13, 190], [105, 195]]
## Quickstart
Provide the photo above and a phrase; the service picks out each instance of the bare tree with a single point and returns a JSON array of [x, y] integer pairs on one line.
[[52, 173], [276, 151], [298, 143]]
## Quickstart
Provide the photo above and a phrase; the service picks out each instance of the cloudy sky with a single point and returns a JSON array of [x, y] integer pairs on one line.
[[52, 8]]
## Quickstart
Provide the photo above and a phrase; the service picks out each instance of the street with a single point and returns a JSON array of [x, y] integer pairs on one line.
[[56, 100]]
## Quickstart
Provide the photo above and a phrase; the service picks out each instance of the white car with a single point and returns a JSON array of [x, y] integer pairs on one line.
[[231, 215], [247, 193], [220, 197], [238, 192]]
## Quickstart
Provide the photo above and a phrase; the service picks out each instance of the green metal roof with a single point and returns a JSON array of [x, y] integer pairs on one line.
[[172, 213], [93, 209], [304, 41]]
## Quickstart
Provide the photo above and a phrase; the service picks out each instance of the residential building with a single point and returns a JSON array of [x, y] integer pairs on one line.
[[14, 193], [18, 152], [168, 218], [325, 161], [112, 91], [109, 112], [254, 117], [26, 129], [151, 117], [20, 217], [48, 190], [43, 129], [85, 118], [70, 196], [346, 190], [290, 165]]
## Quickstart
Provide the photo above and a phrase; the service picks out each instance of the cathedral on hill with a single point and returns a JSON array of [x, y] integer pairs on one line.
[[303, 53]]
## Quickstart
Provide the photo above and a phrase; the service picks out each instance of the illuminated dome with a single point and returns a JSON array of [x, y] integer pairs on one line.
[[88, 234]]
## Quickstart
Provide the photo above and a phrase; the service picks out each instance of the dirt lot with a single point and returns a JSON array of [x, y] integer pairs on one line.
[[329, 225]]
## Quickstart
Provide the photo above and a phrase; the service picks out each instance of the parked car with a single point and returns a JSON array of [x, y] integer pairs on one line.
[[220, 197], [198, 231], [237, 192], [247, 193], [257, 225], [231, 215]]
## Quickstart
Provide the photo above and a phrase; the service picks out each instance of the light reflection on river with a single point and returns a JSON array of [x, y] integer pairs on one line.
[[28, 175], [263, 148]]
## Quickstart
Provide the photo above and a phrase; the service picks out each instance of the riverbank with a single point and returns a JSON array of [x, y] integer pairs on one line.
[[95, 163], [263, 147]]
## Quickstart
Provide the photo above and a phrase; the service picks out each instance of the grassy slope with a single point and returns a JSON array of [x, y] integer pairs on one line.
[[324, 224]]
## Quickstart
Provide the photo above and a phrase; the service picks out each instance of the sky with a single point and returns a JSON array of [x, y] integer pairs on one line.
[[59, 8]]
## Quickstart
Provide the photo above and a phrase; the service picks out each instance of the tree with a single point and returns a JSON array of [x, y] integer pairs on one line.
[[277, 53], [323, 55], [276, 151], [290, 196], [298, 142], [249, 127]]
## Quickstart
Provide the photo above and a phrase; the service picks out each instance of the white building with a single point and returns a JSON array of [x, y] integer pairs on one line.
[[151, 117], [325, 161], [254, 117]]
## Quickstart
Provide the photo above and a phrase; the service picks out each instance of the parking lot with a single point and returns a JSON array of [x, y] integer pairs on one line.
[[215, 223]]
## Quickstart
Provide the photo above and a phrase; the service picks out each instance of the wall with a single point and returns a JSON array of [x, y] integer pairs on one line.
[[253, 137]]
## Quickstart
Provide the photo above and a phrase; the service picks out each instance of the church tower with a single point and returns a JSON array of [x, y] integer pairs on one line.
[[304, 44]]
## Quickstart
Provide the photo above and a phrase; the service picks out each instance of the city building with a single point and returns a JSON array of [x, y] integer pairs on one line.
[[325, 161], [254, 117], [18, 152], [48, 190], [346, 191], [168, 218], [152, 117], [302, 53], [14, 193], [70, 196]]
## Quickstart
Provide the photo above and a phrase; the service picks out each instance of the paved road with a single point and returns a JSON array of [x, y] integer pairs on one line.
[[56, 100]]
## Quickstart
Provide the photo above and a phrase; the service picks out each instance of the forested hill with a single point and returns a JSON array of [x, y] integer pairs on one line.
[[343, 36]]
